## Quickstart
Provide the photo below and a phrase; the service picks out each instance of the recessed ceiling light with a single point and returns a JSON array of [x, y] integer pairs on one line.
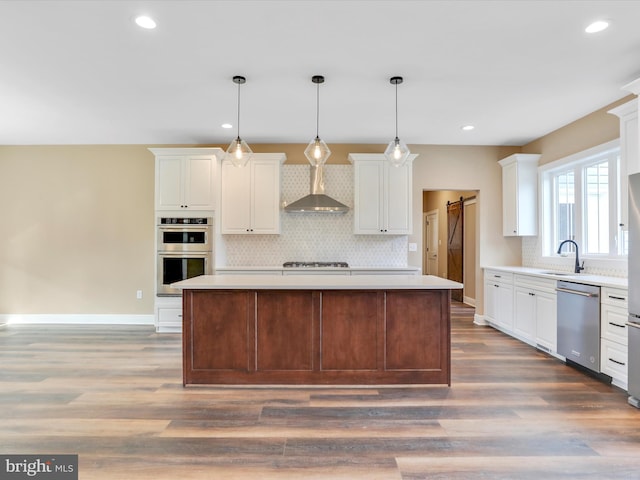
[[467, 128], [226, 125], [145, 22], [597, 26]]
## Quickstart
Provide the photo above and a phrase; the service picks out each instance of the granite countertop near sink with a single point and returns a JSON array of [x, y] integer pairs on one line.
[[586, 278]]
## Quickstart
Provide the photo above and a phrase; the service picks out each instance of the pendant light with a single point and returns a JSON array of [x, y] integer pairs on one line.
[[317, 151], [239, 152], [397, 151]]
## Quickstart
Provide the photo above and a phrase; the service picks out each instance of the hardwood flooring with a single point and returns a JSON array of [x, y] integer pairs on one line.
[[114, 396]]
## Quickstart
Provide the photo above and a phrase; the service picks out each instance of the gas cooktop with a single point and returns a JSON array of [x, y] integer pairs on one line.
[[315, 264]]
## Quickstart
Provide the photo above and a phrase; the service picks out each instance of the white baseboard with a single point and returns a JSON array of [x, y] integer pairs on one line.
[[77, 319], [479, 320], [469, 301]]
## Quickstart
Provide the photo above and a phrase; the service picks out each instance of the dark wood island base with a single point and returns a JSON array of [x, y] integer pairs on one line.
[[316, 337]]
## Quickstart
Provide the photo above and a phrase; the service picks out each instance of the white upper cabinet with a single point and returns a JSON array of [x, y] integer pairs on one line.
[[519, 194], [185, 178], [382, 203], [629, 129], [629, 152], [250, 195]]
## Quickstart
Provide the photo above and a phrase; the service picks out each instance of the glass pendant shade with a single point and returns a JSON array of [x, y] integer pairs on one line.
[[317, 152], [239, 152], [397, 152]]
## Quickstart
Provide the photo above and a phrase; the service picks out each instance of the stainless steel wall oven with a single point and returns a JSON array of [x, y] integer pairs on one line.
[[184, 251]]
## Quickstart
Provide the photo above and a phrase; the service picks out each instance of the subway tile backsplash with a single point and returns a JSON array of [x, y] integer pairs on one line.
[[531, 257], [312, 236]]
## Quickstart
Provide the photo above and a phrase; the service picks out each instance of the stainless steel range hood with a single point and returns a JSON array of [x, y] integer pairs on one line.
[[316, 201]]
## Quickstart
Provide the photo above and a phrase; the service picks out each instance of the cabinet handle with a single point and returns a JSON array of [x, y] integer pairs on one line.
[[616, 325], [532, 294], [497, 276], [616, 361], [616, 298]]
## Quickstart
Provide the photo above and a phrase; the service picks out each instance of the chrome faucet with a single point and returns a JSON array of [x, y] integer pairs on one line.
[[578, 267]]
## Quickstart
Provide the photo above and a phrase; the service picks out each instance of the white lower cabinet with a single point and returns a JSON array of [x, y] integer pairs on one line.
[[498, 291], [524, 314], [535, 318], [547, 321], [168, 314], [523, 306], [613, 335]]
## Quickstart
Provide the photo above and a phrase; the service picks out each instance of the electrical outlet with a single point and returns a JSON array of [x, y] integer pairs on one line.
[[413, 247], [139, 294]]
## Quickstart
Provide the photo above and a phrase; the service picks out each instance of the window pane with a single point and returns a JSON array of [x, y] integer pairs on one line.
[[565, 207], [597, 208]]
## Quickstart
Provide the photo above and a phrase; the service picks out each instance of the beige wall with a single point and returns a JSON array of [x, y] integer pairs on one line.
[[77, 229], [589, 131], [78, 221], [467, 168]]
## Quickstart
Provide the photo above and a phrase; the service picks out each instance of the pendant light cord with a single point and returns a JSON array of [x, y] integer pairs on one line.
[[239, 109], [317, 110], [396, 110]]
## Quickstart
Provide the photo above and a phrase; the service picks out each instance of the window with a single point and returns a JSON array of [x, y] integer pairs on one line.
[[581, 202]]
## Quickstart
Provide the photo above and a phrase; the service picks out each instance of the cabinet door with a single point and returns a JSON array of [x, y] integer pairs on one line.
[[169, 183], [546, 320], [504, 306], [198, 186], [510, 199], [265, 201], [525, 314], [235, 208], [398, 199], [369, 186], [490, 294]]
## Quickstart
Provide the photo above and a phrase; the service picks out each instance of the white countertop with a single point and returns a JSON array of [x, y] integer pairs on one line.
[[317, 282], [585, 278]]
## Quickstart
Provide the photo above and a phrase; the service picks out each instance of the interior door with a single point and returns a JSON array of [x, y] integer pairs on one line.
[[455, 245], [431, 242]]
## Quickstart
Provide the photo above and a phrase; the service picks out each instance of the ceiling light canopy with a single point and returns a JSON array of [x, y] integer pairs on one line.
[[397, 151], [467, 128], [597, 26], [239, 152], [317, 151], [145, 22]]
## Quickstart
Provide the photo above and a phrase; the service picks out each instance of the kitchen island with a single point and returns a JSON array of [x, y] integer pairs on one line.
[[325, 329]]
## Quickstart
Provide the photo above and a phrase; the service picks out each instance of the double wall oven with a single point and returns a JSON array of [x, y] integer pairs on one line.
[[185, 247]]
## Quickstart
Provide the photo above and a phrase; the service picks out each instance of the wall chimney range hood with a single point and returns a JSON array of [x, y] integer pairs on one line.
[[316, 201]]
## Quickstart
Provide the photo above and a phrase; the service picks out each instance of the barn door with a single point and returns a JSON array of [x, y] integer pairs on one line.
[[454, 245]]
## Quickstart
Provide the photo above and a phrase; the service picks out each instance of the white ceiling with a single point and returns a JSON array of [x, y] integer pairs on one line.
[[81, 72]]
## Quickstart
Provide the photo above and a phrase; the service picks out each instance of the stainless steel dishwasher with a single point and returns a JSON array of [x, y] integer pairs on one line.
[[579, 324]]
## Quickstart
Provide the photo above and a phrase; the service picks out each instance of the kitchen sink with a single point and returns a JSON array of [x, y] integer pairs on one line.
[[560, 274]]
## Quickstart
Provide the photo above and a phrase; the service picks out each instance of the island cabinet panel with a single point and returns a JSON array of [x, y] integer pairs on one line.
[[358, 337], [415, 335], [350, 326], [217, 331], [284, 331]]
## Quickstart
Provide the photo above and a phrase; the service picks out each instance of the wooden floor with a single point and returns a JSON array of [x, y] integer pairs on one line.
[[114, 396]]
